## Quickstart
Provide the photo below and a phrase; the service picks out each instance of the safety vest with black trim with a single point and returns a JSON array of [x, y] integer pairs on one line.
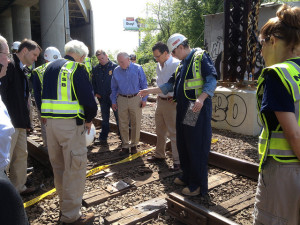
[[64, 107], [272, 142], [193, 81], [89, 67], [40, 72]]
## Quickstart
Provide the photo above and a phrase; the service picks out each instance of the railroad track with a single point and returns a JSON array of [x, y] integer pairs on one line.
[[134, 179]]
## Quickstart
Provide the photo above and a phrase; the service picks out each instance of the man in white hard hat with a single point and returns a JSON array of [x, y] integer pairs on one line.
[[15, 46], [193, 84], [68, 105], [50, 55]]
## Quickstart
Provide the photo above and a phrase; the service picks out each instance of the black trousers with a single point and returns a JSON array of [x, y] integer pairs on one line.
[[12, 211]]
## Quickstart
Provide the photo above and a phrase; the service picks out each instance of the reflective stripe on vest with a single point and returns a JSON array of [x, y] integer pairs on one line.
[[196, 82], [273, 143], [40, 72], [63, 106]]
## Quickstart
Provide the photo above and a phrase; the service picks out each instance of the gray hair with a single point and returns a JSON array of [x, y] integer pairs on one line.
[[124, 54], [76, 47], [2, 41]]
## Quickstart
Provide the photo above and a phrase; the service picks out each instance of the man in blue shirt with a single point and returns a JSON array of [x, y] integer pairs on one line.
[[128, 79], [102, 74]]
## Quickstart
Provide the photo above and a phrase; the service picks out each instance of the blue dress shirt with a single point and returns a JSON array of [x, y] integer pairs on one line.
[[128, 82]]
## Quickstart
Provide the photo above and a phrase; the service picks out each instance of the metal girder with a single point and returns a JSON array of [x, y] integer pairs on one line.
[[241, 19]]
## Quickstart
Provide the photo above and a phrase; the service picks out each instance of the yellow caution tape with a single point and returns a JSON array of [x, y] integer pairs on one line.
[[214, 141], [90, 173]]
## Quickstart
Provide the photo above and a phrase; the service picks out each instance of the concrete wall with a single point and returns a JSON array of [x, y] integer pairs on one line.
[[6, 29], [235, 110], [85, 33]]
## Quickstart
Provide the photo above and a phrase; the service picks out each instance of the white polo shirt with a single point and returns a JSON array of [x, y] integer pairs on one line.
[[164, 73], [6, 131]]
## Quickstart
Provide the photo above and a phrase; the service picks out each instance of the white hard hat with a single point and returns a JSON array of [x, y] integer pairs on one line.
[[89, 138], [175, 40], [51, 54], [15, 45]]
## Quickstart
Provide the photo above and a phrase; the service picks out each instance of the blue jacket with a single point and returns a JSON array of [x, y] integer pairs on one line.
[[102, 78]]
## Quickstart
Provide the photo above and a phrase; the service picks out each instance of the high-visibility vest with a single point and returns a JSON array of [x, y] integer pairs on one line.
[[63, 107], [89, 67], [40, 72], [194, 84], [272, 142]]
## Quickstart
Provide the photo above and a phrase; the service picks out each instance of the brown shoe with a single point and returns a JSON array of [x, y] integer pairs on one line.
[[175, 167], [83, 220], [124, 151], [133, 150], [29, 191], [155, 159]]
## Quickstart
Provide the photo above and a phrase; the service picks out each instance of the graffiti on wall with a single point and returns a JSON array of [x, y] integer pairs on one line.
[[216, 51], [231, 108]]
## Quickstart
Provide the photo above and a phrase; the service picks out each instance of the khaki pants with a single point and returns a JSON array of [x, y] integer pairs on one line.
[[129, 108], [43, 129], [165, 121], [18, 159], [278, 194], [68, 157]]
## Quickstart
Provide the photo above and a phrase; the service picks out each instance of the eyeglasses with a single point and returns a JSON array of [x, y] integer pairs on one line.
[[173, 52], [9, 55], [157, 57], [262, 41]]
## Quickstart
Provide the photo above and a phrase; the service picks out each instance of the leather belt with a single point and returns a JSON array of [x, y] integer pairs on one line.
[[129, 96], [166, 99]]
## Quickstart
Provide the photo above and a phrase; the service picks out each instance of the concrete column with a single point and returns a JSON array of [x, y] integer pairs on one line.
[[6, 29], [52, 24], [21, 22]]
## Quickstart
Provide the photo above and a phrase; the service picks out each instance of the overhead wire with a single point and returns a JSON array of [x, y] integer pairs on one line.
[[53, 20]]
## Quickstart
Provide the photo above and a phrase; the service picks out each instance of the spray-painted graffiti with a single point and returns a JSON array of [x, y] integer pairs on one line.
[[231, 108], [216, 52], [216, 48]]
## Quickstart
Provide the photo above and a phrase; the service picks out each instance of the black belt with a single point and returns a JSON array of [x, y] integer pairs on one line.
[[166, 99], [129, 96]]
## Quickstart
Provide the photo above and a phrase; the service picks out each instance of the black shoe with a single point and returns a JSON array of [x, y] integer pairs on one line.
[[124, 151], [133, 150], [155, 159], [29, 191], [103, 143]]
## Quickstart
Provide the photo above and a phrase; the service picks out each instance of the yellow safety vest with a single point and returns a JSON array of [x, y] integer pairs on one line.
[[40, 72], [63, 107], [89, 67], [272, 142], [196, 83]]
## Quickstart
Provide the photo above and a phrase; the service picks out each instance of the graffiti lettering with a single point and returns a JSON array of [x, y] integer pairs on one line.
[[231, 108]]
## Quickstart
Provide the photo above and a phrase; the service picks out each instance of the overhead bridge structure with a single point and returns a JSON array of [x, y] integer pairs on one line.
[[48, 22]]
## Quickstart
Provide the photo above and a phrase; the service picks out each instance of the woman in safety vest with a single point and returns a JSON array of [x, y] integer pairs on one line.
[[278, 96]]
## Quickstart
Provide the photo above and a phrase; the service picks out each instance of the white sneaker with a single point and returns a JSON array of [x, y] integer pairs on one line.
[[186, 191], [179, 182]]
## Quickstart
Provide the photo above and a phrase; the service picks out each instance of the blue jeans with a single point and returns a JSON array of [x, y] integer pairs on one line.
[[105, 105]]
